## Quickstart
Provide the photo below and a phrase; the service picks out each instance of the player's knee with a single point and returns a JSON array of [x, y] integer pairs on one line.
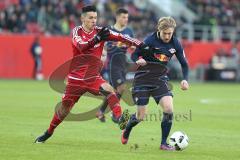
[[106, 91], [67, 103], [167, 104], [168, 110], [110, 89], [62, 112], [121, 88]]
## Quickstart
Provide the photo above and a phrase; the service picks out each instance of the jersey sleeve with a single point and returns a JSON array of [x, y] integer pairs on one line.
[[114, 36], [180, 54], [137, 53], [79, 43]]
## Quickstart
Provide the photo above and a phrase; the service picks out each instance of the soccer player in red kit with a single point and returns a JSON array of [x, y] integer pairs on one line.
[[88, 41]]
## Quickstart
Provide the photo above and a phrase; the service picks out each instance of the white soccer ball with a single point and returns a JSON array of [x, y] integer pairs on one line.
[[179, 140]]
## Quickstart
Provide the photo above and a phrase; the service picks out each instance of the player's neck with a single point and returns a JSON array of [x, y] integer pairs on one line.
[[86, 29], [119, 27]]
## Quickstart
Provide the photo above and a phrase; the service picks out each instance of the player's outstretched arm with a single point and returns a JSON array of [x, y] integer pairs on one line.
[[114, 36], [143, 48]]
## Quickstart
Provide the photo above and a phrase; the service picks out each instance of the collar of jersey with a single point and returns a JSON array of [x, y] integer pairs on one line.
[[86, 31]]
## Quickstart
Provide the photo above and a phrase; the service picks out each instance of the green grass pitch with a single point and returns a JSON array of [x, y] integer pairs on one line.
[[209, 113]]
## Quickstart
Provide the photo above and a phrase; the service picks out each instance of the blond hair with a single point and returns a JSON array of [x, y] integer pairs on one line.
[[165, 23]]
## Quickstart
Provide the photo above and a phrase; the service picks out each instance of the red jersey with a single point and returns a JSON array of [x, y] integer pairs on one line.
[[89, 54]]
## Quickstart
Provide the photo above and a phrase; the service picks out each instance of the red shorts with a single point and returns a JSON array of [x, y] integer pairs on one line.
[[76, 88]]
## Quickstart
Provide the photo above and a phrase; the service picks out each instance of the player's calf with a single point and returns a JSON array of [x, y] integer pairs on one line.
[[133, 121], [113, 102], [166, 126]]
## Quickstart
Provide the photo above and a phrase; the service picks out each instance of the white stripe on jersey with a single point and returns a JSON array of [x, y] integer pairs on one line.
[[81, 79], [97, 27], [75, 31], [133, 40], [114, 33], [76, 37], [126, 37]]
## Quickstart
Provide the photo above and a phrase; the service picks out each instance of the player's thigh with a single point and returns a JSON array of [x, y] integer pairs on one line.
[[99, 85], [73, 91], [140, 95], [161, 90], [107, 87], [166, 102]]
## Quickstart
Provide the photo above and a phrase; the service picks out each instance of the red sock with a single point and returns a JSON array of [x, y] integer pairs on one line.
[[54, 123], [114, 105], [59, 116]]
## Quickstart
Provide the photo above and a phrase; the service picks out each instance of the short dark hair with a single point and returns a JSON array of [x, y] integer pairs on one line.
[[121, 10], [89, 9]]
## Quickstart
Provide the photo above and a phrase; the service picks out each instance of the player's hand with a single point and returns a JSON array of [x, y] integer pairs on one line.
[[141, 62], [102, 35], [184, 85]]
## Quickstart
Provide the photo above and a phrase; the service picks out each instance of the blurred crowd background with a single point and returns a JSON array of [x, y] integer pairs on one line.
[[60, 16], [197, 20]]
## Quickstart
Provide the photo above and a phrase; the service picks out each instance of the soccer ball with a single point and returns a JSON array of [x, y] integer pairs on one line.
[[179, 140]]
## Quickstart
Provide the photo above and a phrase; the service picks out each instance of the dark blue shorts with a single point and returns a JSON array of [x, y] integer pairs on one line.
[[117, 77], [142, 93]]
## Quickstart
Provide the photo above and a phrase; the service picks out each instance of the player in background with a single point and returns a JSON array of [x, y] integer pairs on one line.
[[151, 79], [116, 61], [88, 41]]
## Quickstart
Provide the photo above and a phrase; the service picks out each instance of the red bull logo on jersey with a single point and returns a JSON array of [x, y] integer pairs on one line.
[[161, 57], [120, 44]]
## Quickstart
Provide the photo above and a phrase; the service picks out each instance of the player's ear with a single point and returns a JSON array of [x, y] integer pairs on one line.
[[82, 17]]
